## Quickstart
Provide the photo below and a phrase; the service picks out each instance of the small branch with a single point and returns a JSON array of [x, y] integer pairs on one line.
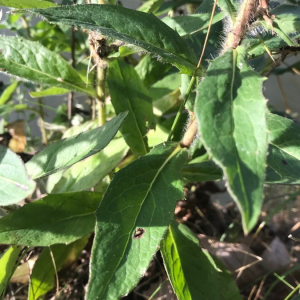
[[246, 13]]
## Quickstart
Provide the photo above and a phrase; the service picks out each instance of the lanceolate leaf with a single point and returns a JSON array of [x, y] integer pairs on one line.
[[128, 93], [88, 172], [185, 25], [284, 156], [34, 62], [150, 70], [8, 264], [133, 27], [15, 184], [6, 95], [64, 153], [49, 92], [191, 270], [27, 3], [131, 221], [42, 279], [60, 218], [231, 113]]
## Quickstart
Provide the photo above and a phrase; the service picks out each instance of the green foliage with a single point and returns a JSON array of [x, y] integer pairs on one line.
[[65, 153], [136, 28], [140, 199], [60, 218], [229, 103], [178, 124], [192, 271], [27, 3], [8, 263], [129, 94], [42, 279], [31, 61], [15, 184]]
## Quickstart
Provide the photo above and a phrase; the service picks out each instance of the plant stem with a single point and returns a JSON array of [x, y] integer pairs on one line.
[[181, 108], [242, 20], [41, 122], [100, 90]]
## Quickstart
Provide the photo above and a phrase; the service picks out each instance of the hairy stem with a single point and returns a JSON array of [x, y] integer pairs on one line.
[[243, 19], [100, 90]]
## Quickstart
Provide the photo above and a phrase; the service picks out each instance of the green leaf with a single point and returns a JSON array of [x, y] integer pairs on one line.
[[173, 5], [141, 197], [128, 93], [286, 23], [185, 25], [8, 264], [49, 92], [61, 218], [256, 48], [198, 170], [6, 95], [165, 86], [150, 6], [65, 153], [150, 70], [284, 156], [231, 7], [27, 3], [87, 173], [191, 270], [231, 113], [15, 184], [133, 27], [34, 62], [42, 278]]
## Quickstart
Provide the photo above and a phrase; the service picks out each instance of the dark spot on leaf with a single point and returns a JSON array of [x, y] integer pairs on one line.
[[284, 162], [139, 232]]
